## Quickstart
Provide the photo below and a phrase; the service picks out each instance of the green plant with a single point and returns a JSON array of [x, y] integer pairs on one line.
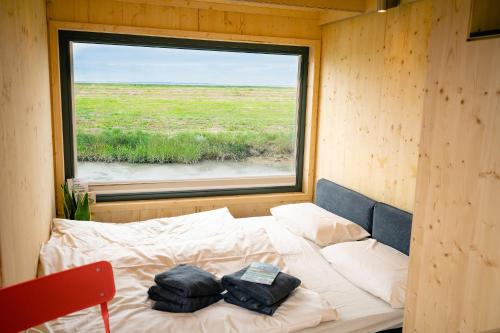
[[76, 206]]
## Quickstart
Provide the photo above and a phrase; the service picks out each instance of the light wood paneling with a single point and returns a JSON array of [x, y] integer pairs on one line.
[[249, 205], [371, 98], [329, 16], [454, 283], [231, 6], [189, 15], [26, 170], [351, 5], [240, 206]]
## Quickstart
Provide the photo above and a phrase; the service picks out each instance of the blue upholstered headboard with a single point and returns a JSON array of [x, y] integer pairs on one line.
[[387, 224]]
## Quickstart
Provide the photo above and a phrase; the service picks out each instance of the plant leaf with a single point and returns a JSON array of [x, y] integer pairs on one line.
[[82, 212], [69, 205]]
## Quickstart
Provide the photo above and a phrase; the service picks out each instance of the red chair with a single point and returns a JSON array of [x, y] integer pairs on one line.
[[34, 302]]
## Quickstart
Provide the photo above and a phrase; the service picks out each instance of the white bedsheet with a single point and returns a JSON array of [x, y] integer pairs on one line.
[[358, 310], [137, 251]]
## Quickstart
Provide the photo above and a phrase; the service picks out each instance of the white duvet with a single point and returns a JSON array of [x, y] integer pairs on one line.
[[138, 251]]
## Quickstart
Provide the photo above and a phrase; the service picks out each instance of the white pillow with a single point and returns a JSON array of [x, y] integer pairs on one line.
[[317, 224], [372, 266]]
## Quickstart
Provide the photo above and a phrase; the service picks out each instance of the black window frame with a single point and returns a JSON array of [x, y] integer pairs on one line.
[[66, 82]]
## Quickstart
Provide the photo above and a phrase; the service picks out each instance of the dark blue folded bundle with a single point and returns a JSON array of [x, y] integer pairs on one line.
[[168, 301], [185, 288], [258, 297], [252, 304], [189, 281], [185, 308]]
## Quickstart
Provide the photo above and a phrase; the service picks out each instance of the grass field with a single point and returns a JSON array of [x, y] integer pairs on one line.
[[183, 124]]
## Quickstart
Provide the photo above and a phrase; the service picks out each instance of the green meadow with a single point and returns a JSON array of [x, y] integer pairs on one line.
[[143, 123]]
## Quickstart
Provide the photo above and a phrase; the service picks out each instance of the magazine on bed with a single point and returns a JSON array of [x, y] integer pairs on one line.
[[259, 272]]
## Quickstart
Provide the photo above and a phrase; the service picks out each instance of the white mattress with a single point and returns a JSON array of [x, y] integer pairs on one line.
[[358, 310], [199, 241]]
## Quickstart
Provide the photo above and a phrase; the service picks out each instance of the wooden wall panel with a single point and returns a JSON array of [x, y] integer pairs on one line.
[[190, 19], [189, 15], [239, 206], [454, 279], [371, 98], [26, 169]]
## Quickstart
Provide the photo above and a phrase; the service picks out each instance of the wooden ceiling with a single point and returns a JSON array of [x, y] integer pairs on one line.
[[326, 10], [351, 5]]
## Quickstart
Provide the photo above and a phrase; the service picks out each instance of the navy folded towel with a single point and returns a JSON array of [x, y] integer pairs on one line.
[[184, 308], [251, 304], [258, 297], [168, 301], [282, 286], [189, 281]]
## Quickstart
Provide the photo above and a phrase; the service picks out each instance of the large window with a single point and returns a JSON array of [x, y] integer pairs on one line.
[[151, 117]]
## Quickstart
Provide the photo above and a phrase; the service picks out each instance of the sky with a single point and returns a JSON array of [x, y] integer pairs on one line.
[[137, 64]]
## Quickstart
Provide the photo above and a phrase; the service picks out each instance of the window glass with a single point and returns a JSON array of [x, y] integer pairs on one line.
[[149, 113], [166, 117]]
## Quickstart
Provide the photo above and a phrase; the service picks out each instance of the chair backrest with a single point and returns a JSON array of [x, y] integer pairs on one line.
[[34, 302]]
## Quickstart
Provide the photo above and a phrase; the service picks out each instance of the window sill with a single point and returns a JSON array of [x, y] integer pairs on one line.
[[131, 191]]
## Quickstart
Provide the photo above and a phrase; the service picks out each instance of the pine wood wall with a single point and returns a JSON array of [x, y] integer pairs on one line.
[[26, 170], [373, 74], [189, 15], [454, 283]]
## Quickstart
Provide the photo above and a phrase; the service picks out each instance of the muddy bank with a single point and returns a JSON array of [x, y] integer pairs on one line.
[[120, 171]]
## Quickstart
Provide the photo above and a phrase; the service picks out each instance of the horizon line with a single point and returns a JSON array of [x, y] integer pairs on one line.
[[184, 84]]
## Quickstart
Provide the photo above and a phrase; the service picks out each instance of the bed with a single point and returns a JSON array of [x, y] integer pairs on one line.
[[328, 302]]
